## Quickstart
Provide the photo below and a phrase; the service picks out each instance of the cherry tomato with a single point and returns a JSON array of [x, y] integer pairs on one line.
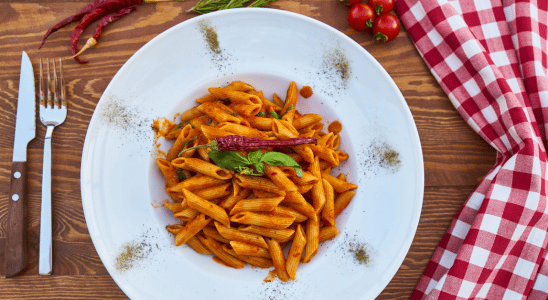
[[361, 17], [386, 28], [350, 3], [381, 7]]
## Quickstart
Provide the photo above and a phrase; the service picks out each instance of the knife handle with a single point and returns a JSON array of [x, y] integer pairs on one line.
[[16, 243]]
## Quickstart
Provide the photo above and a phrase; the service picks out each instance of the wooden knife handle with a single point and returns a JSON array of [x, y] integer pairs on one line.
[[16, 243]]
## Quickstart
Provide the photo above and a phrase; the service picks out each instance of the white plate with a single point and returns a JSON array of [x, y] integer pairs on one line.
[[121, 188]]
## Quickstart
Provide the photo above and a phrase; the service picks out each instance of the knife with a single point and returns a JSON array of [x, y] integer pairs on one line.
[[15, 255]]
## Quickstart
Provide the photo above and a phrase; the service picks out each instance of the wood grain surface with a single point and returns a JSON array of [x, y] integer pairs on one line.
[[455, 157]]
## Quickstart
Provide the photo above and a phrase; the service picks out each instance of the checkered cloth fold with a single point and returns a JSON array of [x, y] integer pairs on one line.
[[490, 57]]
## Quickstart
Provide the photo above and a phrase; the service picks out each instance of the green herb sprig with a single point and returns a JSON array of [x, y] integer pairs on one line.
[[207, 6], [234, 161]]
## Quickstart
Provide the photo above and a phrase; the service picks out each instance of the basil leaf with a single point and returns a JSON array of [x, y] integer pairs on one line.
[[254, 157], [229, 160], [259, 166], [261, 114], [281, 159]]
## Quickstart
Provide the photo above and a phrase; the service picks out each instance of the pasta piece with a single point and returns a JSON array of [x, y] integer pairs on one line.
[[205, 207], [242, 248], [191, 229], [296, 201], [196, 182], [174, 228], [221, 113], [257, 204], [279, 178], [216, 248], [200, 166], [232, 234], [339, 185], [328, 211], [174, 207], [296, 252], [277, 234], [242, 130], [258, 183], [325, 153], [306, 120], [215, 192], [327, 233], [260, 262], [212, 232], [261, 219], [287, 211], [342, 200], [186, 134], [232, 199], [195, 243], [278, 259], [312, 239], [290, 104], [190, 114], [318, 193], [169, 172]]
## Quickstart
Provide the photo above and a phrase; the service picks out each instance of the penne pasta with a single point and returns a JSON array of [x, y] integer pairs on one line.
[[278, 259], [232, 234], [205, 207], [258, 202], [242, 248], [200, 166], [263, 220], [295, 252], [191, 229]]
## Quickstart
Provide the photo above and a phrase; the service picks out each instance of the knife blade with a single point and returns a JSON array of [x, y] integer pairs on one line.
[[25, 130]]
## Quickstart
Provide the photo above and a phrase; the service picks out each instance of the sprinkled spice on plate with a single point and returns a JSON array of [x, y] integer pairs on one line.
[[130, 255], [360, 253]]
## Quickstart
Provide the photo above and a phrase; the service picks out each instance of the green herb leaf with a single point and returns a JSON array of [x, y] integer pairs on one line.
[[275, 114], [247, 171], [254, 157], [259, 167], [286, 110], [209, 122], [180, 174], [281, 159], [262, 114], [229, 160]]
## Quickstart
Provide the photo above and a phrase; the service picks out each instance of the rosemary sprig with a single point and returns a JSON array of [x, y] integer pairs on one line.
[[206, 6]]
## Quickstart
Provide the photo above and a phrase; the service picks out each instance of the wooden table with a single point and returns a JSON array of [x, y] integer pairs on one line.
[[455, 157]]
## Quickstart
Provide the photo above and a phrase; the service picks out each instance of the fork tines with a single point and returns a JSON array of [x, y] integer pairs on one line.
[[55, 87]]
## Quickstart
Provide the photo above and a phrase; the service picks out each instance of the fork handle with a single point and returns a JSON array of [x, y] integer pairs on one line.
[[16, 241], [45, 256]]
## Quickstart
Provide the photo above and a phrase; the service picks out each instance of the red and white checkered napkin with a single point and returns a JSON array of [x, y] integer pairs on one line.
[[490, 57]]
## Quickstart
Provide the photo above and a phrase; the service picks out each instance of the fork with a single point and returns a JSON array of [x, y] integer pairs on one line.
[[53, 111]]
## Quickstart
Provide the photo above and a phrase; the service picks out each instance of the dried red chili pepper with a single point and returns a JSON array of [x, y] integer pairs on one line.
[[71, 19], [238, 142], [97, 13], [91, 42]]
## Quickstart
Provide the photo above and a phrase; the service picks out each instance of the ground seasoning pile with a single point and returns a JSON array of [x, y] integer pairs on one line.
[[119, 116], [380, 156], [138, 253], [334, 71], [131, 254], [218, 56], [360, 253]]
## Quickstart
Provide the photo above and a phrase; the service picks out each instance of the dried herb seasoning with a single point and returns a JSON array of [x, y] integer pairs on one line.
[[360, 253], [130, 255]]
